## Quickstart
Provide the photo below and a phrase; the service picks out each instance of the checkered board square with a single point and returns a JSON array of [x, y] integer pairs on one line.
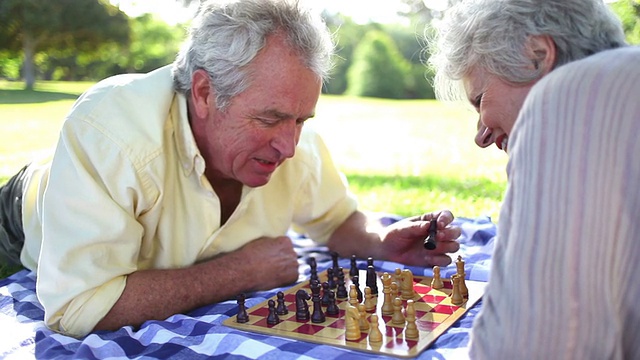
[[434, 315]]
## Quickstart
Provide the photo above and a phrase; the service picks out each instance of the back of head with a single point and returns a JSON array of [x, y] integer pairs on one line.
[[492, 34], [226, 35]]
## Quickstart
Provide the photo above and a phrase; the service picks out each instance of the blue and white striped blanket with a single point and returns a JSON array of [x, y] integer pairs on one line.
[[200, 334]]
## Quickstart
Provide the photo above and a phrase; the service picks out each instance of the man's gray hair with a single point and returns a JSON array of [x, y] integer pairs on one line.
[[493, 34], [225, 36]]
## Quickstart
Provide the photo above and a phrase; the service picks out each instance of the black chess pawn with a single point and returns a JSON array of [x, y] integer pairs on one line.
[[332, 307], [372, 280], [353, 271], [331, 279], [272, 318], [281, 309], [325, 293], [317, 316], [341, 292], [302, 307], [242, 316], [336, 266], [356, 281], [315, 287], [314, 268]]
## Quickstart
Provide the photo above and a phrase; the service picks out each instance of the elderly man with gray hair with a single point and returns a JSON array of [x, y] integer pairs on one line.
[[175, 189]]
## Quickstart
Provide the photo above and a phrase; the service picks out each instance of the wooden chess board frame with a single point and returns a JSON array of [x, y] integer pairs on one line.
[[434, 315]]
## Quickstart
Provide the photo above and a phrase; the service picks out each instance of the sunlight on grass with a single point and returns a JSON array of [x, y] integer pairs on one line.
[[400, 156]]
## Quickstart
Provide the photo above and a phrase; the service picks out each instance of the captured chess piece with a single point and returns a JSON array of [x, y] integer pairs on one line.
[[436, 282], [430, 241], [242, 316]]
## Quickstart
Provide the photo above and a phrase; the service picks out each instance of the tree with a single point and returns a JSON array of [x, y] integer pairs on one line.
[[378, 68], [629, 13], [33, 26]]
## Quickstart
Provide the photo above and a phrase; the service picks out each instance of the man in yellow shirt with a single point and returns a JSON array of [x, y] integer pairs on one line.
[[170, 190]]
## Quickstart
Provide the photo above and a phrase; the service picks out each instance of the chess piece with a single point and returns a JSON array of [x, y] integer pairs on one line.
[[332, 307], [460, 271], [372, 280], [407, 285], [411, 331], [281, 309], [242, 316], [398, 276], [394, 290], [387, 305], [314, 268], [369, 261], [331, 279], [302, 308], [314, 285], [272, 318], [353, 295], [318, 315], [369, 301], [325, 293], [398, 317], [430, 241], [363, 322], [456, 296], [375, 335], [352, 326], [353, 271], [336, 266], [436, 282], [356, 281], [341, 292]]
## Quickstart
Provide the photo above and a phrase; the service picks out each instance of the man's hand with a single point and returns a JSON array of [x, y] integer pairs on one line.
[[272, 262], [403, 241]]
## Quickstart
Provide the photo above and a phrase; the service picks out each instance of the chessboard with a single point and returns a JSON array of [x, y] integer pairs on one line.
[[434, 314]]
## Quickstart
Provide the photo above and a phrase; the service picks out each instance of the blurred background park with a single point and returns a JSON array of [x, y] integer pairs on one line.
[[402, 151]]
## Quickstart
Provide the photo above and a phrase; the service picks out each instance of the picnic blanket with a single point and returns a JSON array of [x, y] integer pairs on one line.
[[200, 334]]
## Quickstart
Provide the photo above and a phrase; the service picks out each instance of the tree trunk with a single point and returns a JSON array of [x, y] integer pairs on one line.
[[28, 66]]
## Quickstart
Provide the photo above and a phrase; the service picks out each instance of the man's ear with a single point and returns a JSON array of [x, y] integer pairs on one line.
[[202, 93], [541, 49]]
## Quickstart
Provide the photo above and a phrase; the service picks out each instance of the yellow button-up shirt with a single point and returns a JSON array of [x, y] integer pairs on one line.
[[126, 191]]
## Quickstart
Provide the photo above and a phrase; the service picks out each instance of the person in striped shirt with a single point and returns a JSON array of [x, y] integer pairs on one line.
[[555, 85]]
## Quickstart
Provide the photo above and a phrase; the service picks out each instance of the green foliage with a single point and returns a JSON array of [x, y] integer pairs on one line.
[[629, 13], [60, 28], [378, 68]]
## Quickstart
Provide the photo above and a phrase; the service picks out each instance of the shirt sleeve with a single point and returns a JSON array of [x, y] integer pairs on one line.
[[563, 282], [88, 250]]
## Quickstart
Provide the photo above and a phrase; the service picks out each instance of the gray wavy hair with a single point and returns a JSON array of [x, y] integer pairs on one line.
[[225, 36], [492, 34]]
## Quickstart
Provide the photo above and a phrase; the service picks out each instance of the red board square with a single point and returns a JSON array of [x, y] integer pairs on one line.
[[309, 329], [432, 299], [263, 312], [444, 309]]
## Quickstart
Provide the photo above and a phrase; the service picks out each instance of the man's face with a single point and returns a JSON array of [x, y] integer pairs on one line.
[[498, 103], [261, 127]]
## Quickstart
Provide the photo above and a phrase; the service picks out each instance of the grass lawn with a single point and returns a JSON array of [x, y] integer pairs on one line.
[[400, 156]]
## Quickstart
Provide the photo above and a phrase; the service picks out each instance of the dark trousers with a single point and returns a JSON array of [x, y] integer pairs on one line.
[[11, 230]]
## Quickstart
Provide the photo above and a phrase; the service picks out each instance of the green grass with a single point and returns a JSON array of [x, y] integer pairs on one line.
[[399, 156]]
